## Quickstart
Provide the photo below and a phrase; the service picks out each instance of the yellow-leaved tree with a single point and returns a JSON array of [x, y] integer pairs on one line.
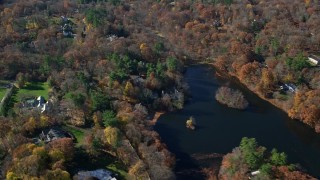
[[112, 136], [128, 89]]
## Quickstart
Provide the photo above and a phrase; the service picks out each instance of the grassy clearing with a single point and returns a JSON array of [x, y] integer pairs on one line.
[[77, 132], [33, 89], [67, 95], [2, 92], [10, 103], [118, 169], [2, 88]]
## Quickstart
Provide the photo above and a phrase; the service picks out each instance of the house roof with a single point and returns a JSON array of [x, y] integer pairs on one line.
[[314, 57], [101, 174], [56, 133], [40, 98]]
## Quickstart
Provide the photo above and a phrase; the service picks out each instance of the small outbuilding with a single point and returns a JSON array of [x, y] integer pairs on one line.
[[314, 60]]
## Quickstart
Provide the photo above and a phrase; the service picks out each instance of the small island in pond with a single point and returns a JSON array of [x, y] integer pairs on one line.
[[191, 123], [231, 97]]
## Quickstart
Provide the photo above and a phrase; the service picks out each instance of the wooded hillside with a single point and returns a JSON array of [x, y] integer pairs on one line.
[[110, 64]]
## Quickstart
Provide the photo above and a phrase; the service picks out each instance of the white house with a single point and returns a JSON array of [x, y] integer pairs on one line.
[[39, 103]]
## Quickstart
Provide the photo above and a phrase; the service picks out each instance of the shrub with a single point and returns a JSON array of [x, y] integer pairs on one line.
[[109, 118], [172, 64], [95, 16], [277, 158], [231, 98], [298, 63], [266, 169], [78, 99]]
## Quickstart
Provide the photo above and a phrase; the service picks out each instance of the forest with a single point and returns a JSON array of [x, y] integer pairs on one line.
[[104, 67]]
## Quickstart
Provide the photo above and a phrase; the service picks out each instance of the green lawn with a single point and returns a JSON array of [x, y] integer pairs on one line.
[[67, 95], [2, 92], [77, 132], [118, 169], [33, 89]]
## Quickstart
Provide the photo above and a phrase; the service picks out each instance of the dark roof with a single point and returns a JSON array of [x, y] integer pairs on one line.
[[56, 133], [314, 57]]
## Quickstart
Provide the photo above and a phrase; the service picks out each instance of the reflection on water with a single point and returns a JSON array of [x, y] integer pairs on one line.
[[220, 128]]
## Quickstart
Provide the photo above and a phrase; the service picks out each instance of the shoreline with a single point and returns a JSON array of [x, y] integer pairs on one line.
[[271, 101], [237, 80]]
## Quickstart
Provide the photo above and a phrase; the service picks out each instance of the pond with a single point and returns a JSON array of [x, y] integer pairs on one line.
[[220, 129]]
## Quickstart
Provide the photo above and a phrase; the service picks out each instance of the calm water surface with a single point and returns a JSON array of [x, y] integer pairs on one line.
[[220, 128]]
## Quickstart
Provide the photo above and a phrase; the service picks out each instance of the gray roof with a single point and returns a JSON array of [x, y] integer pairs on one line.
[[101, 174]]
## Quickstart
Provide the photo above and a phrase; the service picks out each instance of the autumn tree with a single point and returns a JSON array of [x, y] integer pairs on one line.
[[138, 169], [310, 114], [97, 119], [232, 98], [30, 161], [30, 125], [146, 52], [267, 81], [57, 174], [133, 133], [21, 80], [128, 90], [112, 136], [65, 145], [305, 108], [56, 157], [250, 73], [221, 62]]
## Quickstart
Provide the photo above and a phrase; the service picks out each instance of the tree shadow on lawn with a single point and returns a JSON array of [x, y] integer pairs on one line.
[[7, 109], [33, 86]]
